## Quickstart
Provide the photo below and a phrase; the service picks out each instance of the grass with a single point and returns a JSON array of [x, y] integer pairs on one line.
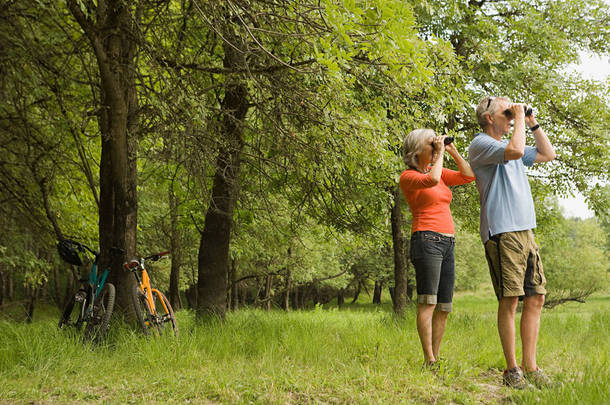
[[360, 354]]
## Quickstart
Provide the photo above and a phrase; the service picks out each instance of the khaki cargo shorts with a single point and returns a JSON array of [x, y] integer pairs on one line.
[[514, 264]]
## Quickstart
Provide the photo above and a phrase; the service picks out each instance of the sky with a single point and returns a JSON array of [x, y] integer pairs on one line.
[[598, 68]]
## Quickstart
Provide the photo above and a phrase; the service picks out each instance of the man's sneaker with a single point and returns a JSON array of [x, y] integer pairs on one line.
[[538, 378], [514, 378]]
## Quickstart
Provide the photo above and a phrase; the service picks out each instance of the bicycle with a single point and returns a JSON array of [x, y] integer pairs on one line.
[[151, 316], [94, 301]]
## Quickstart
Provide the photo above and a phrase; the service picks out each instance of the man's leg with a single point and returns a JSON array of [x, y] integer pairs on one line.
[[507, 307], [424, 329], [439, 320], [530, 326]]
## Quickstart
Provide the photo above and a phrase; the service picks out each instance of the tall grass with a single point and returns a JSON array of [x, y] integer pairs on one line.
[[360, 354]]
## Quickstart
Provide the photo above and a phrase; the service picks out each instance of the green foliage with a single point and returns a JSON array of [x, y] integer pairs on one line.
[[575, 259], [333, 87], [470, 264]]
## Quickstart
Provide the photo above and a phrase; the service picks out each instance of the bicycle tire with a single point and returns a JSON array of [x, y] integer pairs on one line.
[[167, 317], [142, 309], [71, 315], [98, 320]]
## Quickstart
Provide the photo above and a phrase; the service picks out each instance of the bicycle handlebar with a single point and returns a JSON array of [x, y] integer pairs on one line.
[[157, 256], [114, 251], [135, 263], [81, 246]]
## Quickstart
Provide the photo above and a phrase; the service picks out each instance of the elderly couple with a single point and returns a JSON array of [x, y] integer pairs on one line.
[[507, 220]]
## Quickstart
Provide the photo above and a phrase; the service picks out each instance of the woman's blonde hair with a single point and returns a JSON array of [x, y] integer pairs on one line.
[[488, 106], [413, 145]]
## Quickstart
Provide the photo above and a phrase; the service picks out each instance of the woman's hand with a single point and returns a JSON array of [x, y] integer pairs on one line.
[[439, 147], [462, 164], [451, 149]]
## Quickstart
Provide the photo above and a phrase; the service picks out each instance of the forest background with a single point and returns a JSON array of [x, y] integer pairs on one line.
[[259, 142]]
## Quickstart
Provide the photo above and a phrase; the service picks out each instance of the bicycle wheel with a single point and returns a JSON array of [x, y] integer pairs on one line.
[[165, 317], [98, 320], [71, 315], [142, 309]]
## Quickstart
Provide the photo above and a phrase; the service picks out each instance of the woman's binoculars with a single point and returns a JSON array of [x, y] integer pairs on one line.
[[526, 108], [446, 141]]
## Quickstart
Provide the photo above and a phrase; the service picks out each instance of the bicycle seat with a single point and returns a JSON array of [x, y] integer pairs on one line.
[[131, 265]]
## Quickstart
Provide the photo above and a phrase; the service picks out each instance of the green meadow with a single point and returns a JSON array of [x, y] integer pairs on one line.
[[358, 354]]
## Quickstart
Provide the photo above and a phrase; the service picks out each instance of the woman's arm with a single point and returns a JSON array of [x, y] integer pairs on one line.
[[462, 164], [437, 159]]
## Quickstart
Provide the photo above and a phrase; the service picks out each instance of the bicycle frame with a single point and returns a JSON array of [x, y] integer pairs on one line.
[[150, 316], [144, 284], [95, 286]]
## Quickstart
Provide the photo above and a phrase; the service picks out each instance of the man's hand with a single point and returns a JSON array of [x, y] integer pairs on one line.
[[530, 120], [517, 110]]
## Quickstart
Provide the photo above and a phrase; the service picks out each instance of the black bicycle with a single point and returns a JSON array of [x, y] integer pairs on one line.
[[93, 303]]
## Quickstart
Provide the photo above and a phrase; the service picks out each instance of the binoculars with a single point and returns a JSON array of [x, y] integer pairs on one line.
[[526, 109], [446, 141]]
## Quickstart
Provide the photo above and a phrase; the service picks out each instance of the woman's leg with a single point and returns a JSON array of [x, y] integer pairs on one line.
[[427, 259], [439, 320], [424, 329], [445, 296]]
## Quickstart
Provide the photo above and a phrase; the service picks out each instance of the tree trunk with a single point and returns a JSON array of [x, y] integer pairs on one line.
[[69, 291], [357, 294], [268, 287], [257, 296], [341, 297], [243, 295], [295, 298], [410, 286], [191, 296], [288, 288], [10, 287], [216, 235], [2, 289], [112, 37], [234, 286], [303, 296], [57, 287], [316, 296], [377, 292], [31, 294], [176, 250], [400, 259]]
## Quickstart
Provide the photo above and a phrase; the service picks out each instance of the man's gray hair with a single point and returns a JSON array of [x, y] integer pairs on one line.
[[413, 145], [488, 106]]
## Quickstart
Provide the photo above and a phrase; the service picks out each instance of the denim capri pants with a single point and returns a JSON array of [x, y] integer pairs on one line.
[[432, 254]]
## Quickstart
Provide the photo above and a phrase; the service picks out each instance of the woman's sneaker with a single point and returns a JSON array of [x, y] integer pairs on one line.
[[513, 378], [538, 378]]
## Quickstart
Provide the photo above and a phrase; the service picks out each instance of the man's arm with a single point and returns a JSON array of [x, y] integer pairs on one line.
[[546, 152], [516, 146]]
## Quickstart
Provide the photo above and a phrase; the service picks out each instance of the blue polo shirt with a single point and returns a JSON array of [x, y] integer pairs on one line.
[[504, 191]]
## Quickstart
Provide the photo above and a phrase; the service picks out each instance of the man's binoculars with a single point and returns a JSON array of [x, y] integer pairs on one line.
[[526, 108]]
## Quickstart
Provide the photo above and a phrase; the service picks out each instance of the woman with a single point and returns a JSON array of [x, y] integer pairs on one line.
[[424, 185]]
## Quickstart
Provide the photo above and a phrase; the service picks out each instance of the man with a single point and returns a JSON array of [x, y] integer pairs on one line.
[[507, 220]]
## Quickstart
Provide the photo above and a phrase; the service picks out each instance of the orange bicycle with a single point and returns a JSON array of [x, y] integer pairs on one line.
[[152, 307]]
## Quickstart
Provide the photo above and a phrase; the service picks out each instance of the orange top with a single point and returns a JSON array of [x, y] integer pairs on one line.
[[430, 203]]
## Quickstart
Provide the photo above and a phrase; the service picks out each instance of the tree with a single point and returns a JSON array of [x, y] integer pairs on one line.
[[111, 28]]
